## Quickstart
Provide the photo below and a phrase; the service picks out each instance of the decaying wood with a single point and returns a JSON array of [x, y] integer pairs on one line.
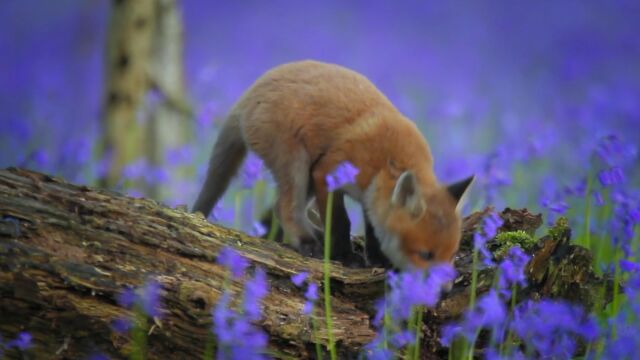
[[67, 251]]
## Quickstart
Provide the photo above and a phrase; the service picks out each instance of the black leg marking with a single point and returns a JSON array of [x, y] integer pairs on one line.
[[374, 255]]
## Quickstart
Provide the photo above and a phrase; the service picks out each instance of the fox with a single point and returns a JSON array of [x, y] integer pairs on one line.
[[303, 119]]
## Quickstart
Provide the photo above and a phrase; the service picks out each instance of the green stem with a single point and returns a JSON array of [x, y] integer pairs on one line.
[[237, 210], [274, 227], [587, 213], [474, 279], [314, 326], [258, 197], [416, 348], [139, 335], [327, 279], [208, 349]]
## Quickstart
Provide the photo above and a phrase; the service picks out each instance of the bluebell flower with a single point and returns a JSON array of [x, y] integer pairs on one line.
[[403, 338], [232, 260], [344, 174], [150, 298], [407, 290], [611, 176], [629, 266], [237, 337], [121, 325], [254, 291], [298, 279], [251, 171], [375, 350], [512, 270], [22, 341], [613, 151], [311, 296], [488, 313], [558, 207], [490, 227], [598, 199], [551, 327], [257, 230]]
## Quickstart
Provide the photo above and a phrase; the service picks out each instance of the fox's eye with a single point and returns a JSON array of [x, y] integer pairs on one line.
[[426, 255]]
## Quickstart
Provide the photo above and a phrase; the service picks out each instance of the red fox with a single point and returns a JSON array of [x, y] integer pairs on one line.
[[305, 118]]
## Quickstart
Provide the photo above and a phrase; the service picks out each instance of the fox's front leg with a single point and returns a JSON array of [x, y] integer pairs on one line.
[[373, 254]]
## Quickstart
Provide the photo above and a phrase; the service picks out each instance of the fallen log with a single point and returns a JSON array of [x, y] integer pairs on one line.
[[68, 251]]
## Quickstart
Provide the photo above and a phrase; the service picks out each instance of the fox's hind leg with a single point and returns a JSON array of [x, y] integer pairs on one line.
[[293, 190]]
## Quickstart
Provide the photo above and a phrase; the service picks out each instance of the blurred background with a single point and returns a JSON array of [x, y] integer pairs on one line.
[[541, 100]]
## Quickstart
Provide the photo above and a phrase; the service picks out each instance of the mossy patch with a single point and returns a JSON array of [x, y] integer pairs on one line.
[[506, 240]]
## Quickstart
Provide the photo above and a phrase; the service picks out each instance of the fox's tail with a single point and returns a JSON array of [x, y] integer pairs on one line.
[[228, 153]]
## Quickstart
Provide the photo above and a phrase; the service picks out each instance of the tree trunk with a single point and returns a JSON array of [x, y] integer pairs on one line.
[[145, 106], [67, 251], [128, 52]]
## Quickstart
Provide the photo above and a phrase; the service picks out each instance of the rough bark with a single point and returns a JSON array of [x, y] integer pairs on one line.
[[128, 53], [67, 251], [145, 107]]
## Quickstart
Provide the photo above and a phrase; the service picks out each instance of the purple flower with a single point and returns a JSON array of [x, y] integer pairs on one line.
[[22, 341], [489, 313], [150, 298], [612, 176], [257, 230], [299, 278], [512, 270], [312, 296], [254, 291], [375, 350], [408, 290], [121, 325], [251, 171], [490, 227], [613, 151], [597, 197], [551, 327], [449, 333], [629, 266], [413, 288], [127, 298], [344, 174], [403, 338], [237, 337], [559, 207], [232, 260]]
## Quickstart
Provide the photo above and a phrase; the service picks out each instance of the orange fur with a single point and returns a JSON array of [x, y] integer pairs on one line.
[[305, 118]]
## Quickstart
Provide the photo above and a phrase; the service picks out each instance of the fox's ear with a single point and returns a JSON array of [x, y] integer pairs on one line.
[[459, 189], [407, 194]]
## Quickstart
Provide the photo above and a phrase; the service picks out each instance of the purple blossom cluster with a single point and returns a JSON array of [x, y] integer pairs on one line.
[[251, 171], [237, 335], [146, 299], [490, 227], [343, 174], [407, 291], [545, 328], [311, 292], [23, 341]]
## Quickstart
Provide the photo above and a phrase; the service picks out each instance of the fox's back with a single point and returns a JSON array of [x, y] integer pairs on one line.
[[318, 105]]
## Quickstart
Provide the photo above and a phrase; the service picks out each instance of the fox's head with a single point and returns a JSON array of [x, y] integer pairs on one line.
[[421, 227]]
